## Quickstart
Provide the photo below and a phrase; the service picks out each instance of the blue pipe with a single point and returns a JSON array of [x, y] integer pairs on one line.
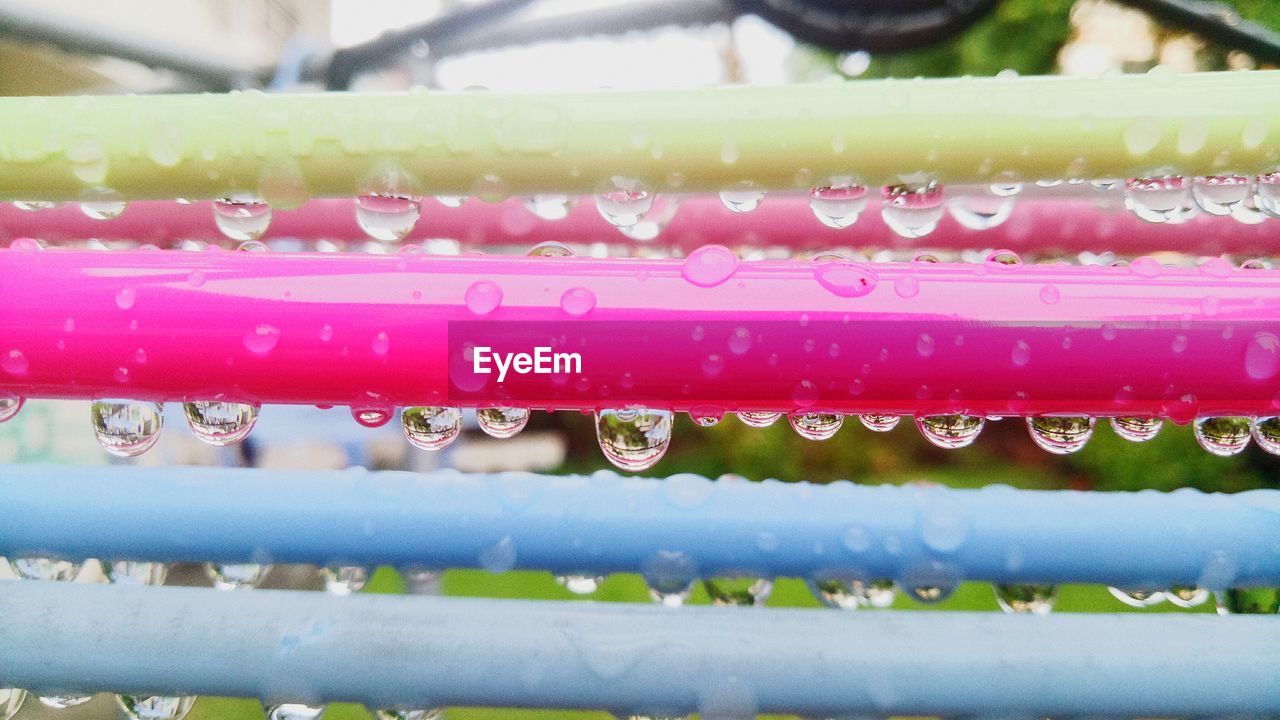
[[724, 662], [603, 523]]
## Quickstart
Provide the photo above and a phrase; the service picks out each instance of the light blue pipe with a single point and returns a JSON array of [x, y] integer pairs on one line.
[[724, 662], [683, 526]]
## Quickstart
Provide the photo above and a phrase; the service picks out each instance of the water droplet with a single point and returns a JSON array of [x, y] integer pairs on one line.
[[374, 413], [1249, 601], [1136, 429], [127, 572], [906, 286], [10, 404], [625, 205], [925, 345], [344, 579], [577, 301], [14, 362], [451, 201], [1222, 436], [1266, 432], [1003, 258], [294, 711], [1142, 136], [242, 216], [1158, 199], [759, 419], [1186, 596], [387, 217], [44, 569], [126, 428], [1266, 194], [1026, 599], [427, 714], [483, 297], [912, 211], [126, 297], [26, 244], [31, 205], [816, 426], [1262, 356], [670, 576], [220, 423], [432, 428], [950, 431], [634, 440], [551, 249], [238, 576], [261, 339], [709, 266], [852, 593], [62, 702], [502, 422], [838, 205], [846, 279], [931, 594], [1061, 435], [580, 584], [880, 423], [156, 707], [1137, 598], [549, 207], [102, 205], [706, 415], [981, 211], [741, 590], [742, 199], [1220, 194]]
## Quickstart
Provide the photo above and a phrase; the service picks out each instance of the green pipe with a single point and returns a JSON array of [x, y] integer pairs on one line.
[[288, 148]]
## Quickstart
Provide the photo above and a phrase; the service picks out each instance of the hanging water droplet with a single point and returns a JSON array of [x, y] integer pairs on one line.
[[912, 210], [1248, 601], [156, 707], [880, 423], [1266, 432], [126, 428], [242, 216], [1061, 435], [128, 572], [1007, 187], [851, 594], [742, 590], [344, 579], [451, 201], [816, 426], [1220, 194], [839, 204], [1136, 429], [1266, 194], [931, 594], [11, 700], [372, 415], [10, 404], [1186, 596], [549, 207], [239, 576], [256, 246], [706, 415], [1158, 199], [1222, 436], [1137, 598], [670, 593], [1026, 599], [625, 205], [950, 431], [580, 584], [634, 440], [62, 702], [31, 205], [551, 249], [981, 211], [502, 422], [386, 216], [427, 714], [220, 423], [1003, 258], [102, 205], [431, 428], [758, 419], [742, 199], [44, 569], [294, 711]]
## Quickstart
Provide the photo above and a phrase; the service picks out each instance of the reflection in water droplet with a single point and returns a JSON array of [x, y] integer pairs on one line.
[[1266, 194], [1061, 435], [220, 423], [580, 584], [759, 419], [1220, 194], [552, 249], [1027, 599], [1186, 596], [880, 423], [294, 711], [156, 707], [502, 422], [549, 207], [242, 216], [1136, 429], [62, 702], [912, 211], [1004, 258], [431, 428], [1137, 598], [851, 594], [742, 590], [981, 211], [838, 205], [706, 415], [1222, 436], [1266, 432], [428, 714], [1248, 601], [950, 431], [127, 572], [816, 426], [126, 428], [44, 569], [344, 579], [634, 440], [931, 594], [742, 199], [451, 201], [626, 205], [237, 576], [387, 217], [10, 404], [846, 279], [1159, 199]]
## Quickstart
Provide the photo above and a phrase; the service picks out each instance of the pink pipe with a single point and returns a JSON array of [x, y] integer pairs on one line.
[[706, 333], [1037, 224]]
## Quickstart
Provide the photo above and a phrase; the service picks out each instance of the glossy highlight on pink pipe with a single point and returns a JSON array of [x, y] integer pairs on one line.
[[892, 338]]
